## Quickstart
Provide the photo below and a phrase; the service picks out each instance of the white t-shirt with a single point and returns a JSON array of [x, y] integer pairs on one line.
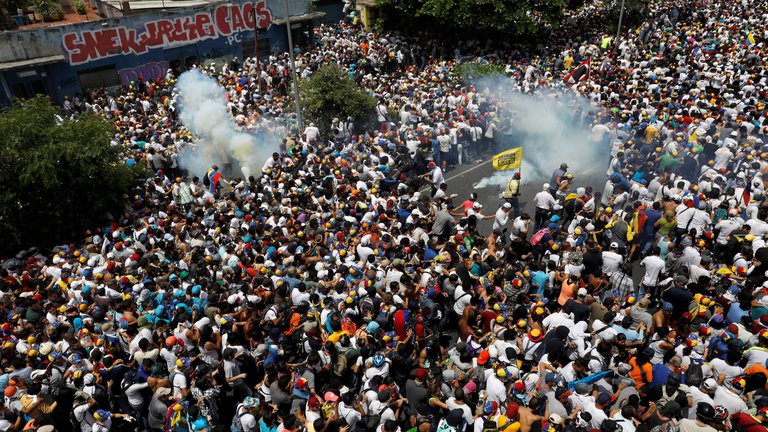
[[452, 405], [462, 299], [544, 200], [653, 266], [731, 401], [496, 390], [611, 262], [721, 366]]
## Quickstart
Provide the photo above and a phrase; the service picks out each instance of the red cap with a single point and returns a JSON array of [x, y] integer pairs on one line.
[[313, 402], [421, 373], [733, 328], [483, 357], [512, 410]]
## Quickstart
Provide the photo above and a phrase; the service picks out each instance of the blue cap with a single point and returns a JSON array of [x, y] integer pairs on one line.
[[553, 226], [372, 327], [667, 307]]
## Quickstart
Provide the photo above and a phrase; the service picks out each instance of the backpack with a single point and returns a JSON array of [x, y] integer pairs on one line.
[[490, 426], [536, 239], [694, 375], [443, 426], [237, 426]]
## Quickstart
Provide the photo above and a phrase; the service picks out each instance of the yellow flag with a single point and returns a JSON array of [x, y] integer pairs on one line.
[[509, 159]]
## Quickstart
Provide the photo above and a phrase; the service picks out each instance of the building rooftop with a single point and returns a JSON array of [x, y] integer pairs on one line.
[[70, 17]]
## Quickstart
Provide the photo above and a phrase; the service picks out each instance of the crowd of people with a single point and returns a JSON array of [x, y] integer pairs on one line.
[[345, 287]]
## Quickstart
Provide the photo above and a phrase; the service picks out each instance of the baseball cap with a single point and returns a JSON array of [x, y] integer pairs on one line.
[[709, 384], [421, 373], [483, 357], [313, 402], [582, 292], [552, 377], [604, 398], [553, 226], [490, 407], [614, 245]]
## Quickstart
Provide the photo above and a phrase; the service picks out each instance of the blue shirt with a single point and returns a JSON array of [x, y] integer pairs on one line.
[[539, 280], [660, 374], [632, 335], [651, 217], [735, 313]]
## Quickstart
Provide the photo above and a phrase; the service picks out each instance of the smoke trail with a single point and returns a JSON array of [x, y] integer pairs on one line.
[[552, 127], [204, 112]]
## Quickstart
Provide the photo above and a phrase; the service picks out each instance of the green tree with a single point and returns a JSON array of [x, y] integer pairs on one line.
[[511, 16], [56, 178], [471, 71], [330, 93]]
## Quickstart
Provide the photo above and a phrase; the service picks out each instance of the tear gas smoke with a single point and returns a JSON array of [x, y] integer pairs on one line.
[[204, 113], [552, 126]]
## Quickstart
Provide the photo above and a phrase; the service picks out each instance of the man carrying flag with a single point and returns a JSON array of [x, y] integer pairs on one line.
[[746, 195], [579, 73], [212, 178], [750, 39]]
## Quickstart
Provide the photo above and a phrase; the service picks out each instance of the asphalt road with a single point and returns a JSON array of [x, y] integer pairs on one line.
[[462, 180]]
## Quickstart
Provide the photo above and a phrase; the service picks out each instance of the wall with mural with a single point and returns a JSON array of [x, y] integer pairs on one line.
[[137, 46]]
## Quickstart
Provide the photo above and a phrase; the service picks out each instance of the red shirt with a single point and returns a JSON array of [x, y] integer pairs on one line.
[[747, 423]]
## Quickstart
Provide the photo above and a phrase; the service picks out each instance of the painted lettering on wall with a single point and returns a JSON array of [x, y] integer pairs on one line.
[[224, 20], [147, 72]]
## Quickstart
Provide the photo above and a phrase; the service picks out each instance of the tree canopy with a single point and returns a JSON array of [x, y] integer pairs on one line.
[[57, 178], [511, 16], [329, 93]]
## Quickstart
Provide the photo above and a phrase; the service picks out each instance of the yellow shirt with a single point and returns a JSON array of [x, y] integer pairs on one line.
[[336, 336]]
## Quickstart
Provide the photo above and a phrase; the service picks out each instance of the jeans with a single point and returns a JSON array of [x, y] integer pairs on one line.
[[515, 203], [541, 217]]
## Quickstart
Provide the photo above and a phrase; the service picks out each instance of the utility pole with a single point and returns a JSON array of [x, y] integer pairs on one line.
[[256, 39], [293, 67], [618, 30]]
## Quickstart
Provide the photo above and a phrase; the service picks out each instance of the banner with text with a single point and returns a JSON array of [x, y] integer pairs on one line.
[[89, 45], [509, 159]]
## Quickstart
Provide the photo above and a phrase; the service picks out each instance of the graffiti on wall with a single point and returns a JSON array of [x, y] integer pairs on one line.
[[225, 20], [147, 72]]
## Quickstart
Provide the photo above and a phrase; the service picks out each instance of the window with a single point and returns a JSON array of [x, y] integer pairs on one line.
[[103, 77]]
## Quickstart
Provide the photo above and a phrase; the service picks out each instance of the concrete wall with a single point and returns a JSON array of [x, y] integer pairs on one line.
[[43, 42]]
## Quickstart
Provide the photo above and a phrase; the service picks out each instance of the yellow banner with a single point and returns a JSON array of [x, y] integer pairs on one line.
[[509, 159]]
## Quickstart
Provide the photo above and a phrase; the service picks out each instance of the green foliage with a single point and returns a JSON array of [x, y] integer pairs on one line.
[[473, 70], [330, 93], [56, 180], [79, 6], [511, 16], [634, 10], [49, 9]]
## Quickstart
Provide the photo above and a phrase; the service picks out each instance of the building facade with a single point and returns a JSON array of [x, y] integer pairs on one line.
[[63, 60]]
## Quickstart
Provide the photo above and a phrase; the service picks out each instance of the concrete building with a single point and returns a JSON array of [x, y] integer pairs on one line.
[[61, 60]]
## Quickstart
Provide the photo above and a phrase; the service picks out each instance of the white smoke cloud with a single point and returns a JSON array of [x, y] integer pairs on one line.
[[204, 112], [553, 129]]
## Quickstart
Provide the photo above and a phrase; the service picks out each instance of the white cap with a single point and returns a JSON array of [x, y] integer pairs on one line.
[[709, 384], [582, 292], [506, 205], [614, 245]]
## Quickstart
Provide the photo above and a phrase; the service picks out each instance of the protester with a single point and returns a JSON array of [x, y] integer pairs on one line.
[[341, 288]]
